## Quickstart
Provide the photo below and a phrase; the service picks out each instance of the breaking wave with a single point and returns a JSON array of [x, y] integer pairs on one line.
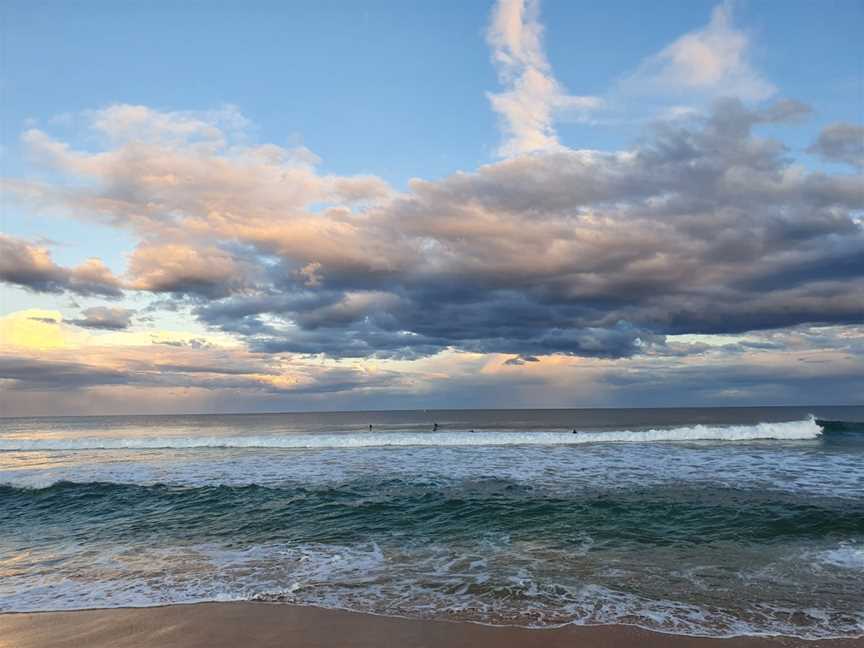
[[787, 431]]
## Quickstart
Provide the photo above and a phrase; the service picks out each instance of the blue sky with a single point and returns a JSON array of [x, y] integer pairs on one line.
[[393, 88], [458, 97]]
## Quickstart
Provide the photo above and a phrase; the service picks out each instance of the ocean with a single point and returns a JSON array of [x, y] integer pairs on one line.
[[713, 522]]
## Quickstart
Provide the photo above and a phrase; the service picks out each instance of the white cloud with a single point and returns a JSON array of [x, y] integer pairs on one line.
[[125, 122], [710, 61], [533, 96]]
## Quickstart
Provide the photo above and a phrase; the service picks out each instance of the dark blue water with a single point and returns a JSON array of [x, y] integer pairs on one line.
[[715, 522]]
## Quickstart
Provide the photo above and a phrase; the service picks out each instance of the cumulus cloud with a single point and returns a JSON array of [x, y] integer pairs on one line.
[[185, 269], [105, 318], [704, 227], [33, 328], [532, 97], [518, 361], [157, 186], [841, 142], [712, 61], [125, 122], [701, 260], [30, 266]]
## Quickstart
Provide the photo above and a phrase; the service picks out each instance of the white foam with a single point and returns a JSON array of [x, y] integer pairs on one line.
[[847, 556], [494, 583], [786, 431]]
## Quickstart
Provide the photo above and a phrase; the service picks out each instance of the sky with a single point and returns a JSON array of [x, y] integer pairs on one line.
[[268, 206]]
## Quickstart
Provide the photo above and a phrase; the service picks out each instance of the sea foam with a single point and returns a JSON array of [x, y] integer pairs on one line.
[[785, 431]]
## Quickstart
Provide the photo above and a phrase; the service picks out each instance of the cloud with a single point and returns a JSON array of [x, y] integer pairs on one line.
[[184, 269], [712, 61], [533, 97], [105, 318], [784, 367], [195, 343], [700, 265], [841, 142], [30, 266], [803, 365], [153, 367], [521, 360], [703, 228], [33, 328]]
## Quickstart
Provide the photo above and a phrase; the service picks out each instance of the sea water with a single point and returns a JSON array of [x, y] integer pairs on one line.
[[711, 522]]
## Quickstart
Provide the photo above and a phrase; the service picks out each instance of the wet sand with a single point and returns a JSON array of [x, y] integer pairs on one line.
[[261, 625]]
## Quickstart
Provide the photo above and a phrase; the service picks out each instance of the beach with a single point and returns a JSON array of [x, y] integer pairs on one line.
[[262, 625]]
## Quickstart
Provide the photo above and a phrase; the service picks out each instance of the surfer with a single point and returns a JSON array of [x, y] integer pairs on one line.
[[434, 427]]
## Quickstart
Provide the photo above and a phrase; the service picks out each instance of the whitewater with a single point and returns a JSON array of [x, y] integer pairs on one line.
[[706, 522], [790, 431]]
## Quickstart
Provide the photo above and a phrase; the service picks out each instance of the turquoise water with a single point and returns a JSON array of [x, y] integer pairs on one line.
[[713, 522]]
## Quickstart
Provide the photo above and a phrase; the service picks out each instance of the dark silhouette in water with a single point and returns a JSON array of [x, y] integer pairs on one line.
[[839, 426], [434, 427]]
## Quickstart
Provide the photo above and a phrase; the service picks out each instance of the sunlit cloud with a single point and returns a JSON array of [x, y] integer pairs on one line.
[[698, 258], [35, 329], [532, 98], [711, 61]]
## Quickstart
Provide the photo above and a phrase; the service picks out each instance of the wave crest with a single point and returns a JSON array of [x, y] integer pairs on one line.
[[785, 431]]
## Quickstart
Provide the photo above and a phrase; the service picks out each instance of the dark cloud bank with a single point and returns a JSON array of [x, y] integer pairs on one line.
[[705, 228]]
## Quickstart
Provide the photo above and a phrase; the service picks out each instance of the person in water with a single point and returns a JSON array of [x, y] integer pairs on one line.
[[434, 427]]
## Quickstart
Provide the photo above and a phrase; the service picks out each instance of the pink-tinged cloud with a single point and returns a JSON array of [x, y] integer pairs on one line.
[[30, 266]]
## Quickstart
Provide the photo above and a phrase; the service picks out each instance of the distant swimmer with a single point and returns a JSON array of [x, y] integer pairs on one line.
[[434, 427], [370, 427], [574, 431]]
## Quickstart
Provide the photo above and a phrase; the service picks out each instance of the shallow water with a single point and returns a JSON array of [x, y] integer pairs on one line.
[[700, 521]]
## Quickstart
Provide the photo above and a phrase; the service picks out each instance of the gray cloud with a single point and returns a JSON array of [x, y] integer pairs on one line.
[[202, 271], [29, 373], [703, 227], [738, 384], [196, 367], [699, 230], [841, 142], [30, 266], [105, 317], [194, 343]]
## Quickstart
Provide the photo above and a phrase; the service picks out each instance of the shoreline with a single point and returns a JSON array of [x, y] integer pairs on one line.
[[266, 625]]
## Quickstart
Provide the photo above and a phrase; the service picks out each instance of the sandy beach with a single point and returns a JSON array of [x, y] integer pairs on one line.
[[260, 625]]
